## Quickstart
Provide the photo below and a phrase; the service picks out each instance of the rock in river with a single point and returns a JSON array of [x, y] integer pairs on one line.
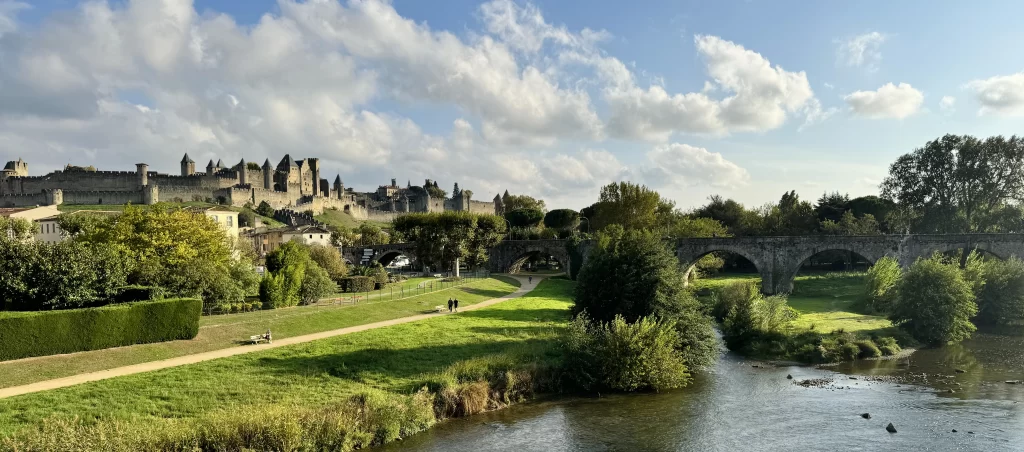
[[890, 428], [866, 415]]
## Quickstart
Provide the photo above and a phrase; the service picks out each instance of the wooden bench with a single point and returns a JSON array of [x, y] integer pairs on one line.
[[261, 337]]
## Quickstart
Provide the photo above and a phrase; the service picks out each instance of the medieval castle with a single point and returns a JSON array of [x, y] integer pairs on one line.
[[292, 184]]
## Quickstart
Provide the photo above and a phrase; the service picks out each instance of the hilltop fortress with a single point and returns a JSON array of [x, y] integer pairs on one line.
[[292, 184]]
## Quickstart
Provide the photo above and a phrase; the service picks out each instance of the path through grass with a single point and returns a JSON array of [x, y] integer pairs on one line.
[[222, 331], [397, 359]]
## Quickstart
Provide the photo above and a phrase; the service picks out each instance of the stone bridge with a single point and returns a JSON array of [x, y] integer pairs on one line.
[[778, 259]]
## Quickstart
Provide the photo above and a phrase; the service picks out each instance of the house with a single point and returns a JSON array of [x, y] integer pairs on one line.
[[44, 219], [226, 218], [267, 240]]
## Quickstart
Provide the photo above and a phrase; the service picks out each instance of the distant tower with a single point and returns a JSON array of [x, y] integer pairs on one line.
[[243, 177], [339, 187], [394, 182], [314, 169], [220, 164], [210, 168], [143, 170], [268, 175], [188, 166]]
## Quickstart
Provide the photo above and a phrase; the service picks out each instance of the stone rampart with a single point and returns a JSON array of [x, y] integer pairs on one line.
[[23, 200], [104, 197]]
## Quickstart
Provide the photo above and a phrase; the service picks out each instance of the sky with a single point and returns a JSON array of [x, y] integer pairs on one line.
[[550, 98]]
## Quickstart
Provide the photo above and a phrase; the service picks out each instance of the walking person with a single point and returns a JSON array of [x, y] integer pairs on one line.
[[456, 305], [530, 279], [449, 305]]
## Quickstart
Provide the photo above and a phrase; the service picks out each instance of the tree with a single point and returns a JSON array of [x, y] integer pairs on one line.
[[329, 259], [371, 234], [253, 166], [633, 274], [850, 225], [288, 264], [247, 218], [832, 206], [934, 303], [442, 238], [882, 278], [15, 228], [316, 284], [434, 191], [265, 209], [562, 219], [957, 183], [729, 213], [1001, 301], [516, 202], [631, 205], [686, 226], [872, 205], [524, 218]]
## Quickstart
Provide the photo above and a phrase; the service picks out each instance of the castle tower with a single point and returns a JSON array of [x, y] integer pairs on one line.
[[268, 175], [54, 197], [314, 169], [339, 187], [290, 170], [210, 168], [143, 170], [243, 177], [220, 164], [188, 166], [405, 202]]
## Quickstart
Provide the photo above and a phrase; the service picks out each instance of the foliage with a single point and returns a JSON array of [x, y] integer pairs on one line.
[[272, 291], [731, 214], [516, 202], [849, 224], [935, 303], [288, 264], [435, 191], [355, 284], [265, 209], [874, 206], [53, 332], [441, 238], [329, 259], [562, 219], [832, 206], [316, 284], [623, 356], [15, 228], [632, 274], [370, 234], [247, 218], [375, 271], [524, 218], [1001, 300], [881, 282], [751, 314], [631, 206], [957, 183], [68, 274]]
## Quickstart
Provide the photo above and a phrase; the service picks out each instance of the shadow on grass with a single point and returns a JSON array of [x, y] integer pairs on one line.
[[381, 365], [519, 315], [489, 293]]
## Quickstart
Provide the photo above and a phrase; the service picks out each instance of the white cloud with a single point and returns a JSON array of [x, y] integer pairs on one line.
[[681, 165], [8, 11], [1000, 95], [889, 101], [829, 85], [861, 51], [759, 96], [947, 104]]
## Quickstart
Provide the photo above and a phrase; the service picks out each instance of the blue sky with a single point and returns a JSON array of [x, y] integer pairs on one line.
[[549, 98]]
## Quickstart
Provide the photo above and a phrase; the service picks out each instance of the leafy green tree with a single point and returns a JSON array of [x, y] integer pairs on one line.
[[935, 303], [562, 219], [516, 202], [1001, 301], [265, 209], [632, 206], [524, 218], [880, 283], [957, 183], [729, 213], [247, 218], [442, 238], [329, 259], [316, 284], [434, 191], [790, 216], [851, 225], [371, 234], [633, 274], [874, 206], [832, 206], [15, 228], [688, 226]]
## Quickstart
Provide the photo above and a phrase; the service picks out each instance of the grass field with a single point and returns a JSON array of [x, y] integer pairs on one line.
[[826, 301], [222, 331], [344, 220], [399, 359]]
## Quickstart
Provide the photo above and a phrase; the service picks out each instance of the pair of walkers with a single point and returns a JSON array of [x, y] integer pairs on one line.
[[453, 304]]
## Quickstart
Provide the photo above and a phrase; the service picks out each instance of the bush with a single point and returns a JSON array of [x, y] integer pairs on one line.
[[888, 346], [264, 209], [74, 330], [355, 284], [316, 284], [880, 282], [1001, 301], [935, 303], [868, 349], [623, 356], [129, 294], [329, 259], [271, 291]]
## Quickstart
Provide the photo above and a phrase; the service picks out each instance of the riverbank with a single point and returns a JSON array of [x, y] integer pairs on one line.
[[400, 379], [224, 331]]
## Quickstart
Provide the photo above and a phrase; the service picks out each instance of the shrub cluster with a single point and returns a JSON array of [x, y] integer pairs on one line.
[[294, 276], [24, 334], [355, 284]]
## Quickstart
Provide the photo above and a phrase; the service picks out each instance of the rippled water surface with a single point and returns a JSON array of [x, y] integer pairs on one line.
[[740, 407]]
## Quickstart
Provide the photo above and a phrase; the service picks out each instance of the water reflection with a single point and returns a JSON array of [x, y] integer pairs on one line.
[[739, 407]]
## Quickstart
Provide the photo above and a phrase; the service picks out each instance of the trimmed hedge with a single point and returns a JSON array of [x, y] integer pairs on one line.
[[25, 334], [354, 284]]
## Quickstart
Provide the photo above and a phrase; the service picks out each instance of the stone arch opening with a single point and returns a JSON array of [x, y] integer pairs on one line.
[[849, 261], [719, 263], [538, 261], [396, 259]]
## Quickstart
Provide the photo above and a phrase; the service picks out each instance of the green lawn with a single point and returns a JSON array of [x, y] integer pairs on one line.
[[344, 220], [398, 359], [826, 301], [222, 331]]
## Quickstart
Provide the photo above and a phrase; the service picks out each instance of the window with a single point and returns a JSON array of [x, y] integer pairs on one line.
[[40, 228], [321, 236], [310, 235], [230, 220], [215, 219]]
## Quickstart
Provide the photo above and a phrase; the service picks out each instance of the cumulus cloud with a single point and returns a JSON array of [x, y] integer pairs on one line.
[[681, 165], [8, 9], [889, 101], [861, 50], [1000, 95], [947, 104], [758, 96]]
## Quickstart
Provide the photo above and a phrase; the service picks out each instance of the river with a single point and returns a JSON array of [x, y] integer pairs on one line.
[[736, 406]]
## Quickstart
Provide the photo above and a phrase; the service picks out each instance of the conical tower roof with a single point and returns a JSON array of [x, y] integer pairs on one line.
[[337, 180], [186, 159], [220, 163], [266, 164], [210, 165]]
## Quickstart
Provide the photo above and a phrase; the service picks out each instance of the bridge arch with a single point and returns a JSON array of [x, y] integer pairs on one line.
[[386, 257], [510, 255]]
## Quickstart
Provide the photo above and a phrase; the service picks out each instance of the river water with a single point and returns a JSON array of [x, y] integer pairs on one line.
[[737, 407]]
